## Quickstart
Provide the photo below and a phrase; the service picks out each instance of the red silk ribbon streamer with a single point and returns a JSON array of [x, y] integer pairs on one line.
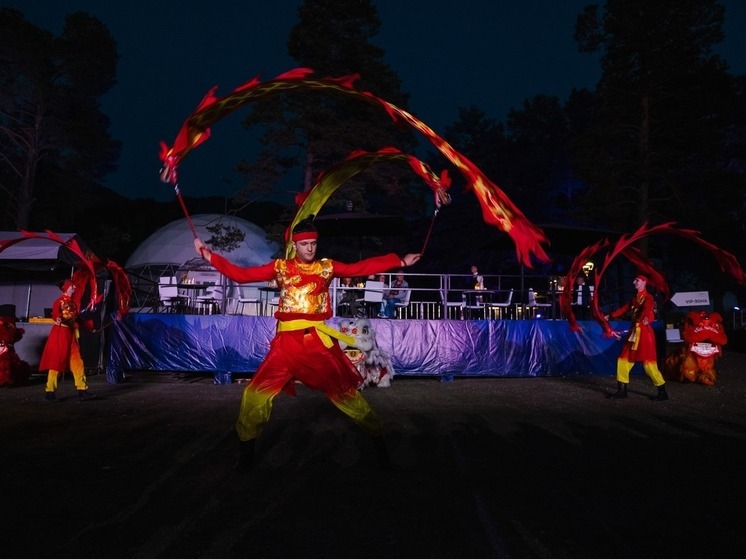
[[497, 208], [623, 247], [311, 201], [89, 266]]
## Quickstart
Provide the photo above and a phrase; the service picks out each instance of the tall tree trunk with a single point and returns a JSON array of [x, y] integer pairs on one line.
[[643, 210], [26, 191]]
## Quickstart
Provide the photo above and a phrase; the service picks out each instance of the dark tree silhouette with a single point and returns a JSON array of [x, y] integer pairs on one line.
[[54, 140]]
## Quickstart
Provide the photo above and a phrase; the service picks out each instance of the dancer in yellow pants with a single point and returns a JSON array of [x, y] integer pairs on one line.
[[305, 348], [62, 351], [640, 343]]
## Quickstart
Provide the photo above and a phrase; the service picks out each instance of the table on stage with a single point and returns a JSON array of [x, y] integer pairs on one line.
[[193, 291], [476, 300]]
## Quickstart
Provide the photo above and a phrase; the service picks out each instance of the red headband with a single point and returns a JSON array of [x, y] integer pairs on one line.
[[305, 236], [642, 277], [66, 285]]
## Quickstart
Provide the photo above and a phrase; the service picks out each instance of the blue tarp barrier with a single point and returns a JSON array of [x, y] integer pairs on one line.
[[226, 344]]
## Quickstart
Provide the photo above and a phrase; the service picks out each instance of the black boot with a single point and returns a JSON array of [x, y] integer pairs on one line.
[[84, 396], [50, 397], [246, 455], [382, 453], [621, 391], [662, 394]]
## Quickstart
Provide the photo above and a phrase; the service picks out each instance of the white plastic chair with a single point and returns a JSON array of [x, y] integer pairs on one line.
[[209, 301], [170, 300], [498, 309], [453, 305], [534, 306], [248, 296], [474, 305], [402, 307], [272, 305]]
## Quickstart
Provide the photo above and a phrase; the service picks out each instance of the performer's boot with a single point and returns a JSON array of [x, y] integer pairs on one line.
[[50, 397], [662, 394], [621, 391], [246, 455], [382, 453], [84, 396]]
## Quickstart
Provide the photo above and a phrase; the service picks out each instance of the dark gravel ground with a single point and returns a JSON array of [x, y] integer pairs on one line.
[[484, 467]]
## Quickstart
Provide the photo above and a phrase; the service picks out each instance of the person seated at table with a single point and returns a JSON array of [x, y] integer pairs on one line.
[[395, 294], [348, 305]]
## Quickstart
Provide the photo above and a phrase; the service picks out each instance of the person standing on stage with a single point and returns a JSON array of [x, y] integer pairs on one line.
[[477, 279], [582, 302], [62, 351], [304, 348], [640, 342]]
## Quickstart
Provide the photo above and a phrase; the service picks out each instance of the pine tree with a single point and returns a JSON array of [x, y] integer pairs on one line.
[[662, 104], [315, 130], [54, 139]]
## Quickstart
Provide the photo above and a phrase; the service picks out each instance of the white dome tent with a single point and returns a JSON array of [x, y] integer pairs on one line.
[[171, 246]]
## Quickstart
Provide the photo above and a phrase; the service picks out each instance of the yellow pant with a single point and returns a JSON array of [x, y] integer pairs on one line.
[[76, 367], [623, 367], [256, 407]]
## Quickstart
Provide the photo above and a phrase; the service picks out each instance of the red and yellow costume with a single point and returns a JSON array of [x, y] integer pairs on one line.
[[640, 343], [304, 347], [62, 351]]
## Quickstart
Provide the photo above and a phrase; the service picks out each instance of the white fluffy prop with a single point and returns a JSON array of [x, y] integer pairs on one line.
[[373, 363]]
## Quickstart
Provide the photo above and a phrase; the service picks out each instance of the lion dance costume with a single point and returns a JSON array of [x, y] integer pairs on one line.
[[704, 339], [13, 370], [374, 364]]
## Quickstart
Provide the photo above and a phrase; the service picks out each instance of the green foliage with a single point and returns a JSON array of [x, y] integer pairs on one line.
[[225, 238]]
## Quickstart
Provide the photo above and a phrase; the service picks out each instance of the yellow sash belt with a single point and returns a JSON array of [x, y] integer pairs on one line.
[[326, 332], [634, 338]]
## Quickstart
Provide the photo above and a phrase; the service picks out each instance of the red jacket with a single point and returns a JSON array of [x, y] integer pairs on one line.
[[640, 343], [56, 354]]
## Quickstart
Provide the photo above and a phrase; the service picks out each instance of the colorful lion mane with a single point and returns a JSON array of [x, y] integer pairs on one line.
[[372, 362], [704, 338]]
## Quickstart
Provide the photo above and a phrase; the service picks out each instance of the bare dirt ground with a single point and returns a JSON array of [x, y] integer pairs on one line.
[[521, 467]]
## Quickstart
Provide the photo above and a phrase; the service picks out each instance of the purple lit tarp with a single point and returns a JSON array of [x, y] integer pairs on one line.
[[225, 345]]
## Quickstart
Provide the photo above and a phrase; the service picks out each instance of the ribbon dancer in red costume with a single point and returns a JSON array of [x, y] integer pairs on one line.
[[305, 348], [640, 343], [62, 351]]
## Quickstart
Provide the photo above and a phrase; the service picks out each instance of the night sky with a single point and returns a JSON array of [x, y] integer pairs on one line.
[[489, 53]]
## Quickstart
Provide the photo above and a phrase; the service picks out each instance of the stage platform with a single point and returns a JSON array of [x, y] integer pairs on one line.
[[228, 345]]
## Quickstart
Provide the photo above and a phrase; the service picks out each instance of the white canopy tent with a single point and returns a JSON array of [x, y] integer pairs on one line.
[[167, 250], [30, 271]]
